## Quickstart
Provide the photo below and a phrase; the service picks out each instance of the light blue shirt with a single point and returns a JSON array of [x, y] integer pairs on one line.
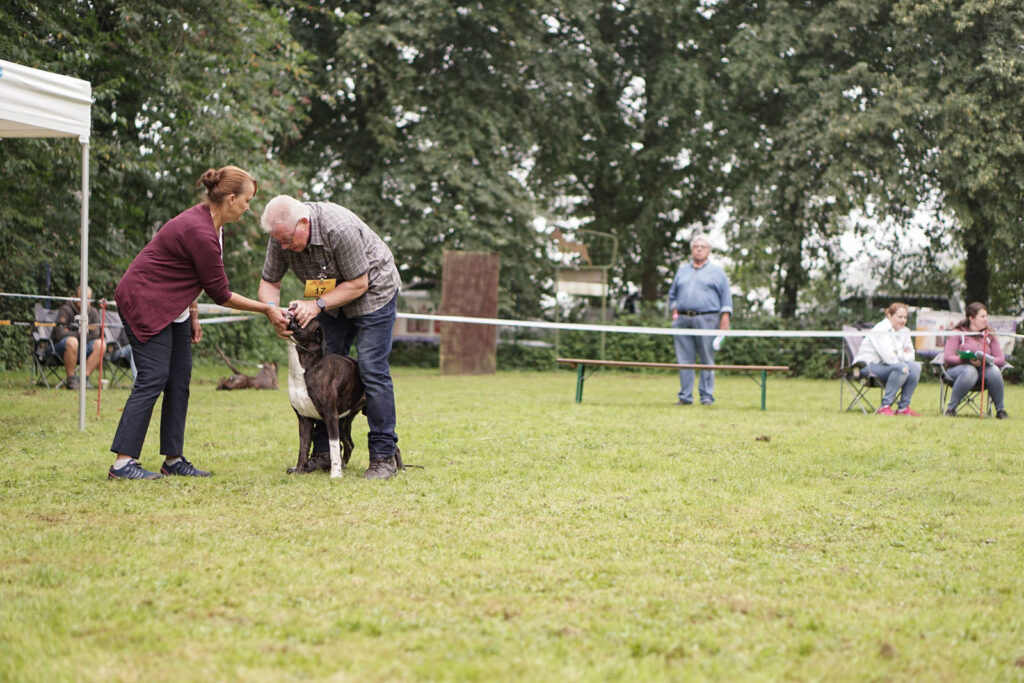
[[704, 289]]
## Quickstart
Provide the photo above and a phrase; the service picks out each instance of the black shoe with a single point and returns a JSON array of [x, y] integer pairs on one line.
[[684, 403], [71, 383], [133, 470], [950, 413], [381, 469], [182, 468], [318, 460], [1001, 415]]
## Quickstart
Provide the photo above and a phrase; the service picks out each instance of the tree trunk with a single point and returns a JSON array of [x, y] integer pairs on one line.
[[791, 266], [650, 281], [976, 274], [976, 246], [786, 306]]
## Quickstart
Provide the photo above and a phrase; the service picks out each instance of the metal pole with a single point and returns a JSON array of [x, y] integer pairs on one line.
[[842, 367], [604, 305], [83, 328]]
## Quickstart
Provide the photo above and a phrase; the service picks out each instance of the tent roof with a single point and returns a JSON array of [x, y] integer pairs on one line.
[[40, 104]]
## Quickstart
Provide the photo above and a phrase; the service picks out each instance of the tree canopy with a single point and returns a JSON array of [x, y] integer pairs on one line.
[[455, 125]]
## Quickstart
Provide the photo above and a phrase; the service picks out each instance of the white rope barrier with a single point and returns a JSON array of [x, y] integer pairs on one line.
[[42, 296], [230, 315], [203, 308], [628, 329]]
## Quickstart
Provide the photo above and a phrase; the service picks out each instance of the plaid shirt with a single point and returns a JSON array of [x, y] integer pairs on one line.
[[340, 246]]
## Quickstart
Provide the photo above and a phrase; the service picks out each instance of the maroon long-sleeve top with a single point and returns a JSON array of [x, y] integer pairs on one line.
[[183, 259]]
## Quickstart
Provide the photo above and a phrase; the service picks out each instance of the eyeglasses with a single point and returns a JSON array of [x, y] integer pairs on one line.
[[287, 243]]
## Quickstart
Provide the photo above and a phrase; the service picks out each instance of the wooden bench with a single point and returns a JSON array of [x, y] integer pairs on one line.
[[581, 365]]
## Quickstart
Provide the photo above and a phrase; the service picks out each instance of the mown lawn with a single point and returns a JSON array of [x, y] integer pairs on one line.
[[621, 539]]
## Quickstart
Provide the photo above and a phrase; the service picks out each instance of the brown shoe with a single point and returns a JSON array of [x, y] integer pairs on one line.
[[381, 469]]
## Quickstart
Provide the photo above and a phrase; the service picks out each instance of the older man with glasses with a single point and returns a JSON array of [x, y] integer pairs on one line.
[[699, 298], [351, 288]]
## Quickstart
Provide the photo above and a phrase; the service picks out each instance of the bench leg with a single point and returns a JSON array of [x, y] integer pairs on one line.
[[763, 383], [579, 382]]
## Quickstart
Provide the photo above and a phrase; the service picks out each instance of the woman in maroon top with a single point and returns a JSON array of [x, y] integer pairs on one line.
[[157, 302], [976, 342]]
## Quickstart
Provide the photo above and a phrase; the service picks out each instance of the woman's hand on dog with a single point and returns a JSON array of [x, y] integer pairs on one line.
[[279, 318]]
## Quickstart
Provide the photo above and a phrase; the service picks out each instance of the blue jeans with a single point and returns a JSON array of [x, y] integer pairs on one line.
[[902, 375], [372, 334], [61, 346], [125, 352], [689, 348], [164, 366], [966, 376]]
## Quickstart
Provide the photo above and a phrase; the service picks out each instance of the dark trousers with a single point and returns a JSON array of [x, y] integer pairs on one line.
[[164, 365], [372, 335]]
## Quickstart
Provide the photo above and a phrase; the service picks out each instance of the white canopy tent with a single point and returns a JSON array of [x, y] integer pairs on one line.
[[40, 104]]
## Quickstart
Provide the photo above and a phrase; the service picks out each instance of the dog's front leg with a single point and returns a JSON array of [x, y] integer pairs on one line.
[[333, 435], [305, 439]]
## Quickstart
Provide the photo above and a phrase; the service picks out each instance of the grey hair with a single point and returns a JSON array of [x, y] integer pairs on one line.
[[282, 210], [700, 237]]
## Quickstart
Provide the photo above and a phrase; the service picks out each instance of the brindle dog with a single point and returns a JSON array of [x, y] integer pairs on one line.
[[322, 386]]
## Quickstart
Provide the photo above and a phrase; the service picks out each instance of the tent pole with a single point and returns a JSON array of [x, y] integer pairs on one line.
[[83, 328]]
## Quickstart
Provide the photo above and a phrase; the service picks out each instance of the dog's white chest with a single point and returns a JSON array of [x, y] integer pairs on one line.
[[297, 393]]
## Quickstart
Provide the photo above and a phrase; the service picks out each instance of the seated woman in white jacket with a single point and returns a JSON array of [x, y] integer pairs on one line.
[[889, 354]]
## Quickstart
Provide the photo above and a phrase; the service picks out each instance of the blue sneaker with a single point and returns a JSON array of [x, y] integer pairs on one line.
[[182, 468], [133, 470]]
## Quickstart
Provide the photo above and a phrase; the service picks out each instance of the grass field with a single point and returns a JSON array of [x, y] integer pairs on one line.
[[621, 539]]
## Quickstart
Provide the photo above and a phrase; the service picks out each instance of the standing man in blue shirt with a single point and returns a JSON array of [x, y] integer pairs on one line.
[[699, 299]]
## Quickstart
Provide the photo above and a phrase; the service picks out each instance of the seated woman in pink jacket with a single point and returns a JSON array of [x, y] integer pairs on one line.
[[965, 355]]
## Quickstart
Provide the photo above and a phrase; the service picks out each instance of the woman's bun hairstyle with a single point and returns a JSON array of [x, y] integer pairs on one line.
[[225, 181]]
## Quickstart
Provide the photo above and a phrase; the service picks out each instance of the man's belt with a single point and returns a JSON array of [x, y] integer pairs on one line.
[[690, 314]]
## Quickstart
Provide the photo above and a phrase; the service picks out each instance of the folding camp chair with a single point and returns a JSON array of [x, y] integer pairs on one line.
[[117, 363], [971, 401], [855, 376], [47, 366]]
